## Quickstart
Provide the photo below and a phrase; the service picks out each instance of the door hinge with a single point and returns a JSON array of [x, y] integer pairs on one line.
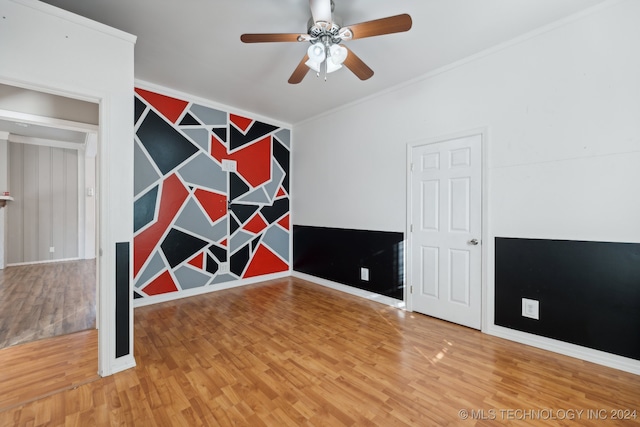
[[411, 289], [411, 228]]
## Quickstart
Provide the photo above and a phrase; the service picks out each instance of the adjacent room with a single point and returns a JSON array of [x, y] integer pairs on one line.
[[321, 213]]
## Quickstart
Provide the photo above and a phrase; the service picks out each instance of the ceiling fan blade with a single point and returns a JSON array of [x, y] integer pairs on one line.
[[320, 10], [378, 27], [266, 38], [300, 71], [356, 65]]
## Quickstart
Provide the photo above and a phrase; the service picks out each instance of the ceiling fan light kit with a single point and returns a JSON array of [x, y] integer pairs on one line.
[[325, 34]]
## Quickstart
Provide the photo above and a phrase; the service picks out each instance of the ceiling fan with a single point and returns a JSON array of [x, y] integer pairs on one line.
[[325, 33]]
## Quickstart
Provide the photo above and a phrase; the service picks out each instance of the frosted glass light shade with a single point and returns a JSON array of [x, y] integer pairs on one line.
[[316, 52], [315, 66], [338, 54], [331, 67]]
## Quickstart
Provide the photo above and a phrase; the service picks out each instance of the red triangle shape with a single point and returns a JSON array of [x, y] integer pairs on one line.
[[256, 225], [284, 222], [242, 123], [163, 284], [171, 108], [265, 262], [218, 149], [198, 261], [214, 204]]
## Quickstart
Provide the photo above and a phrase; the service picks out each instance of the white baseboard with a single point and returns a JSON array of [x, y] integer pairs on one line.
[[350, 290], [583, 353], [172, 296], [46, 261]]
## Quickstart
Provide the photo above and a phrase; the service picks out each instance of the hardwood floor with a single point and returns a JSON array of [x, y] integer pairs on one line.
[[44, 300], [41, 368], [291, 353]]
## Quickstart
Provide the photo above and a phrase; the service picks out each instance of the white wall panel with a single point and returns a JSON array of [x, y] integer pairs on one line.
[[565, 100], [45, 212]]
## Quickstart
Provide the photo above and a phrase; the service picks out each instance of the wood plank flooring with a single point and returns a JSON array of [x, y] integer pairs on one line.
[[44, 300], [291, 353], [41, 368]]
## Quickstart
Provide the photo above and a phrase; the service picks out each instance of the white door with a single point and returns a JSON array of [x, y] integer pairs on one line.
[[445, 204]]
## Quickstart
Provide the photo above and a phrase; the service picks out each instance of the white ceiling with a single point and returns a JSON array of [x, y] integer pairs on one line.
[[194, 46]]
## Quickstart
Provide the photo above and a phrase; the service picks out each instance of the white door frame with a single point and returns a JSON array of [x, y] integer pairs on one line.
[[485, 235], [104, 298]]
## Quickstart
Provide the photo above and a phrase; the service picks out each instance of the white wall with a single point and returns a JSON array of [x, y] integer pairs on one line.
[[49, 50], [562, 110]]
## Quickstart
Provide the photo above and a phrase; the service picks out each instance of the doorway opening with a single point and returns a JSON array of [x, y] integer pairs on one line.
[[49, 226]]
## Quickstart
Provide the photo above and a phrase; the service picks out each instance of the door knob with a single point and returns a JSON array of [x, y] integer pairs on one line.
[[473, 242]]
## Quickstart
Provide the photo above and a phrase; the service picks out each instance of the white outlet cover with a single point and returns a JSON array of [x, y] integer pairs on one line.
[[224, 267], [531, 308], [364, 273], [229, 165]]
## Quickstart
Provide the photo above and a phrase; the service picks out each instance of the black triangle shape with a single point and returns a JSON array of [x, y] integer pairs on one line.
[[179, 246], [254, 243], [139, 108], [282, 155], [221, 133], [257, 130], [212, 265], [189, 120], [244, 212], [137, 295], [237, 187], [233, 225], [239, 261]]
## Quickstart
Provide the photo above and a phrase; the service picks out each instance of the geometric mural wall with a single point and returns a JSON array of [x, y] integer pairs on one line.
[[211, 196]]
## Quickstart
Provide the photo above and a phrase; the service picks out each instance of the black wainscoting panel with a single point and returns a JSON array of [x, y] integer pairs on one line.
[[123, 298], [589, 292], [337, 254]]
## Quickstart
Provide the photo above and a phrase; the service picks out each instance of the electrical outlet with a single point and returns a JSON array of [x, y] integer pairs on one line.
[[52, 249], [531, 308], [229, 165], [224, 268], [364, 274]]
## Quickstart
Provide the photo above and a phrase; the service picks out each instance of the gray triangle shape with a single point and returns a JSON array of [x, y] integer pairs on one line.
[[284, 136], [155, 266], [209, 116], [278, 240], [239, 240], [199, 136], [144, 173], [256, 196], [277, 175]]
